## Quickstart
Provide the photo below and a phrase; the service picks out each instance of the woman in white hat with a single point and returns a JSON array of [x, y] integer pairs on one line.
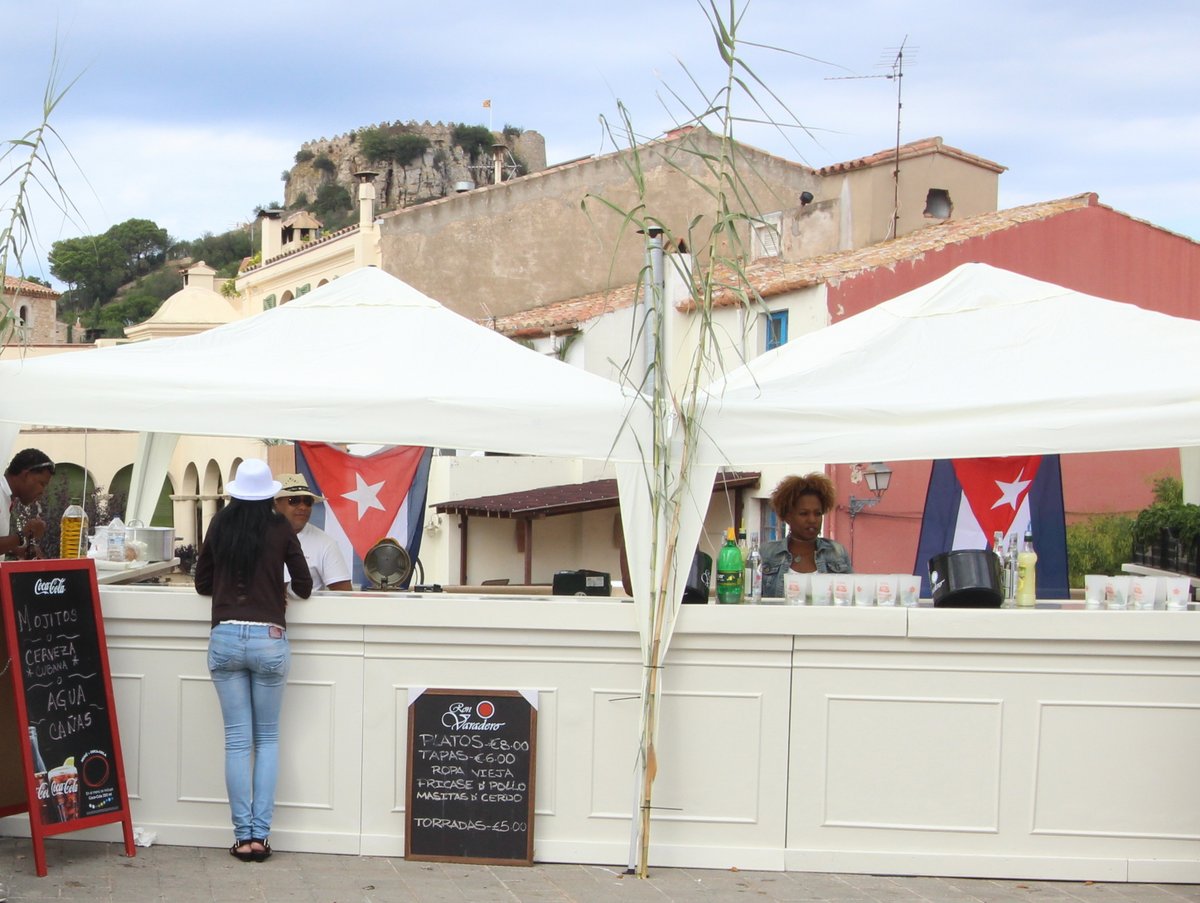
[[241, 566]]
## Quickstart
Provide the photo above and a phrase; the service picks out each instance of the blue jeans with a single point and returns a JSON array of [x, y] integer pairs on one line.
[[249, 669]]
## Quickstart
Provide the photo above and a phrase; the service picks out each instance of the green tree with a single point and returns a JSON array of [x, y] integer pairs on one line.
[[392, 146], [475, 140], [331, 199], [144, 244], [94, 266]]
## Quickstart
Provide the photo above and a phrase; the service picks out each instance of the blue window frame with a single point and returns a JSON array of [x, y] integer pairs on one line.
[[777, 325]]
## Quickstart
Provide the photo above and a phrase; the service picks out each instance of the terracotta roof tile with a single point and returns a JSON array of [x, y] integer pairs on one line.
[[300, 247], [908, 151], [562, 316], [774, 277], [13, 285]]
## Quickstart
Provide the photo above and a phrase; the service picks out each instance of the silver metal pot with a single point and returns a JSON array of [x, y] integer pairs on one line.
[[160, 541]]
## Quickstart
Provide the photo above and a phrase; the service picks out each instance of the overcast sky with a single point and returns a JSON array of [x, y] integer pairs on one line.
[[188, 113]]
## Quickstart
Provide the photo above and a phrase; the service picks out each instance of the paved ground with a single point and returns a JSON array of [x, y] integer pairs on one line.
[[100, 873]]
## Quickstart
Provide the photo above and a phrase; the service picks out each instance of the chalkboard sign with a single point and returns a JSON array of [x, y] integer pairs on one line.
[[471, 766], [64, 713]]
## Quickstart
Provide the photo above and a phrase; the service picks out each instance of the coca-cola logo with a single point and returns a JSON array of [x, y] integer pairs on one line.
[[55, 586]]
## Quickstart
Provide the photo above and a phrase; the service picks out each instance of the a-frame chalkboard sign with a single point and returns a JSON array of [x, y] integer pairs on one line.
[[472, 758], [60, 752]]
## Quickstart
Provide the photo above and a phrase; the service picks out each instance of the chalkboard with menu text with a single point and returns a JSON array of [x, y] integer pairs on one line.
[[471, 766], [65, 720]]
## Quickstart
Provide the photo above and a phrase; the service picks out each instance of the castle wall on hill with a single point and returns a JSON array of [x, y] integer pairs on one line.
[[440, 172]]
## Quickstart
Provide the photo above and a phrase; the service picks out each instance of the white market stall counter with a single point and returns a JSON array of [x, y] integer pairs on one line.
[[1054, 744]]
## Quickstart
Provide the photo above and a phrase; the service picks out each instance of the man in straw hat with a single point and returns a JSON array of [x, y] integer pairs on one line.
[[295, 501]]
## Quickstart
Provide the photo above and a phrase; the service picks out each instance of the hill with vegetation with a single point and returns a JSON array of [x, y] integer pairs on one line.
[[120, 277]]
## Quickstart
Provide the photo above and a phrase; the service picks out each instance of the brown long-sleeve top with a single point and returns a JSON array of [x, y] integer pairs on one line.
[[263, 598]]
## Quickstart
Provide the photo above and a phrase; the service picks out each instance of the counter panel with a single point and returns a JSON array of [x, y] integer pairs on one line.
[[1039, 744]]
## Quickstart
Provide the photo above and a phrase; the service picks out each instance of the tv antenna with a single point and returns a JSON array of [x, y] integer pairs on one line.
[[895, 63]]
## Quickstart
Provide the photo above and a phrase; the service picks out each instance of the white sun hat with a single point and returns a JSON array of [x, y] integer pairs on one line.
[[253, 482]]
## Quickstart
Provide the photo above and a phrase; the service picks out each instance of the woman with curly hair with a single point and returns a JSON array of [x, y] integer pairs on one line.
[[801, 503]]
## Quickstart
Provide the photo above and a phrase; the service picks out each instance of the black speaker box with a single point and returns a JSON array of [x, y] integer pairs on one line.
[[582, 583]]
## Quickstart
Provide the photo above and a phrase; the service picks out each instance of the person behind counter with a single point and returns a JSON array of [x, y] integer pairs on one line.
[[801, 503], [25, 480], [241, 566], [325, 560]]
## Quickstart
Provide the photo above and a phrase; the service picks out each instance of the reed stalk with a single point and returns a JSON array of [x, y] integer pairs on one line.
[[719, 242]]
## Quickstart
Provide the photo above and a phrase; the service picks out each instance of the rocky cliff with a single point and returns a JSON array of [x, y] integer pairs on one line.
[[443, 168]]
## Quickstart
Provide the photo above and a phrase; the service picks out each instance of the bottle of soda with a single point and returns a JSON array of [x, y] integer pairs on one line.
[[41, 781], [729, 571], [73, 531]]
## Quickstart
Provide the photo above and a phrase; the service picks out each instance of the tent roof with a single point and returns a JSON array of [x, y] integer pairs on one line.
[[979, 362], [366, 358]]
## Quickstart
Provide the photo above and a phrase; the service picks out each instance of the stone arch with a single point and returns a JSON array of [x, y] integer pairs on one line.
[[164, 513], [187, 506], [286, 297], [212, 496]]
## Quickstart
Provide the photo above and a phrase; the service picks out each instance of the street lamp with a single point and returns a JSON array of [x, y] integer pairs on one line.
[[878, 477]]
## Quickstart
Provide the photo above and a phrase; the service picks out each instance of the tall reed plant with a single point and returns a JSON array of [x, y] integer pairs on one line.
[[30, 165], [705, 153]]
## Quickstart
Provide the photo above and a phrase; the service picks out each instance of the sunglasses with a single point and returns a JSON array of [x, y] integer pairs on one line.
[[296, 500]]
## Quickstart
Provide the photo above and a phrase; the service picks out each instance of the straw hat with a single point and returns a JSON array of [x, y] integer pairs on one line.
[[295, 484], [253, 482]]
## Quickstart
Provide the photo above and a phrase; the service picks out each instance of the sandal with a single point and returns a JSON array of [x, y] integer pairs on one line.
[[236, 851], [260, 855]]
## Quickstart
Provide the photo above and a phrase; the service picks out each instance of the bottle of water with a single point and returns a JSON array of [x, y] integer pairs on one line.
[[752, 582], [115, 540]]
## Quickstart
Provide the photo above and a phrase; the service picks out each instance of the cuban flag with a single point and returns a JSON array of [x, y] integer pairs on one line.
[[969, 499], [368, 497]]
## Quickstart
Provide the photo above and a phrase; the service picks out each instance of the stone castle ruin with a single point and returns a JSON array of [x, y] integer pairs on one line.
[[443, 169]]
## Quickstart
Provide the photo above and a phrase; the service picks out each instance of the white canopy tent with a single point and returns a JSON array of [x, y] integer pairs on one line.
[[366, 358], [980, 362]]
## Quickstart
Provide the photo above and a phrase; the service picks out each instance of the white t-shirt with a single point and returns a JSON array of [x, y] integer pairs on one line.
[[6, 501], [325, 559]]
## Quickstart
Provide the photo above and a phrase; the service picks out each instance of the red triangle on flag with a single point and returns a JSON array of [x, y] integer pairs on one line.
[[365, 493], [995, 488]]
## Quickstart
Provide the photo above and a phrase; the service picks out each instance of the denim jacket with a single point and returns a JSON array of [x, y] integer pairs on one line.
[[831, 556]]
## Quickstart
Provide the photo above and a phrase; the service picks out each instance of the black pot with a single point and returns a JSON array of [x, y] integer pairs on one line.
[[966, 578]]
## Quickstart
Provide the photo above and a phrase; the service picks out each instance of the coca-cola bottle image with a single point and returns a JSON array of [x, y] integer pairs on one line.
[[49, 808]]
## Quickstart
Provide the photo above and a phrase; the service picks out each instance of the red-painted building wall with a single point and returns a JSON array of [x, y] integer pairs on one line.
[[1090, 249]]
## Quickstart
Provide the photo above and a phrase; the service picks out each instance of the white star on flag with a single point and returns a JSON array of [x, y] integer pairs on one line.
[[1010, 493], [365, 495]]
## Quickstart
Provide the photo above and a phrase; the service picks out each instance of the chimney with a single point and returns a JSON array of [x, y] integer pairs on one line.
[[366, 198], [201, 275], [498, 156], [271, 223]]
